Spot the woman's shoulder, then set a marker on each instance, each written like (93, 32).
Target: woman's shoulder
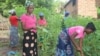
(13, 16)
(77, 27)
(23, 15)
(80, 27)
(34, 15)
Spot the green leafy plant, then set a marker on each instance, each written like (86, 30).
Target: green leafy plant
(49, 40)
(98, 10)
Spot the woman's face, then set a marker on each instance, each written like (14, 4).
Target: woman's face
(30, 9)
(41, 17)
(88, 31)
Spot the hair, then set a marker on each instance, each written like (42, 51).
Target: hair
(91, 26)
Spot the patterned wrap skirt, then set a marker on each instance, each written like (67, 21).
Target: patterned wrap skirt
(30, 44)
(64, 46)
(13, 36)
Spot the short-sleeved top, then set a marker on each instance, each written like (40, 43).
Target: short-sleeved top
(28, 21)
(13, 21)
(77, 29)
(42, 22)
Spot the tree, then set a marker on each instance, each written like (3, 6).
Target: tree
(9, 4)
(43, 3)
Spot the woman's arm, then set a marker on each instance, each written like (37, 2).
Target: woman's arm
(73, 40)
(22, 26)
(80, 44)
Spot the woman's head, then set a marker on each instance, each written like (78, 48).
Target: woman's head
(29, 7)
(90, 28)
(12, 12)
(66, 14)
(41, 15)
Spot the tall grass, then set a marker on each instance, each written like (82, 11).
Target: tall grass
(49, 40)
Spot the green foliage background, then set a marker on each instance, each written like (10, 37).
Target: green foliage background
(49, 40)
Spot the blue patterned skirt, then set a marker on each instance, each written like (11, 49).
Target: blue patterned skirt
(13, 36)
(64, 46)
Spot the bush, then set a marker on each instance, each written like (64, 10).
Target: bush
(98, 10)
(5, 13)
(49, 40)
(20, 10)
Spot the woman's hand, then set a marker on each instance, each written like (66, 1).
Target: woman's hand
(80, 44)
(78, 49)
(34, 28)
(39, 27)
(81, 53)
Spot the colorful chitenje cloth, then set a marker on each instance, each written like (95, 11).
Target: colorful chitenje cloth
(30, 43)
(64, 46)
(13, 36)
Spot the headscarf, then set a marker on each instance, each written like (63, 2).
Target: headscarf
(66, 14)
(41, 14)
(91, 26)
(28, 3)
(12, 11)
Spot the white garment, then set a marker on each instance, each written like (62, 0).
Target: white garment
(12, 11)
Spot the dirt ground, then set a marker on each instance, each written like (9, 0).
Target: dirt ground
(4, 36)
(4, 47)
(4, 50)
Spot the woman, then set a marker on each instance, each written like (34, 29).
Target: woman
(30, 35)
(13, 30)
(42, 21)
(66, 40)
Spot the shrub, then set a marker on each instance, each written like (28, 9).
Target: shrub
(49, 40)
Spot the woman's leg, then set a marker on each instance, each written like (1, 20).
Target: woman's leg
(26, 42)
(64, 47)
(30, 44)
(34, 44)
(13, 36)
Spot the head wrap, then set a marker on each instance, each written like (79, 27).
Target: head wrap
(12, 11)
(41, 14)
(66, 14)
(28, 3)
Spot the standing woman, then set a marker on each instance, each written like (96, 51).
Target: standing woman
(30, 36)
(42, 21)
(13, 30)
